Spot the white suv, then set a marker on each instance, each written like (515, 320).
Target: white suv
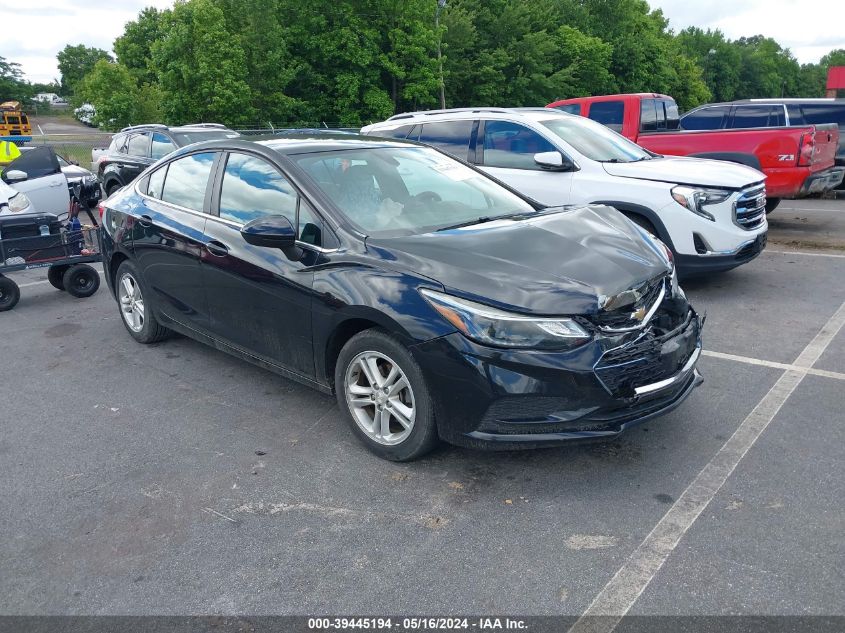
(710, 213)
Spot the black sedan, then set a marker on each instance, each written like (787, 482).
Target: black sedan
(433, 300)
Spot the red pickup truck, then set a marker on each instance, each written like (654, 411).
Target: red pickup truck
(798, 161)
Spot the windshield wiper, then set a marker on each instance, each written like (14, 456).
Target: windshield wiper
(519, 215)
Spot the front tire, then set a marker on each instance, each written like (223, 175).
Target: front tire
(136, 312)
(771, 204)
(383, 392)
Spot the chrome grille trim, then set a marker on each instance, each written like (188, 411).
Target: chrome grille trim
(749, 210)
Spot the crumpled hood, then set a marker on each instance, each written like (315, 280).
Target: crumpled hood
(683, 170)
(75, 171)
(553, 264)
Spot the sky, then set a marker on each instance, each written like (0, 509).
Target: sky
(48, 25)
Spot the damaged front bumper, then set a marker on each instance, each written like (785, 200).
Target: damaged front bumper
(497, 398)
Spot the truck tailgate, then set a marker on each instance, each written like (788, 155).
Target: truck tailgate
(826, 140)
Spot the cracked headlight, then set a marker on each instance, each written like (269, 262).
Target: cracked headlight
(697, 199)
(491, 326)
(19, 202)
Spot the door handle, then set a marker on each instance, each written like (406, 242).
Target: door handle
(145, 220)
(218, 249)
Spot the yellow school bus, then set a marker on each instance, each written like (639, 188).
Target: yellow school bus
(14, 124)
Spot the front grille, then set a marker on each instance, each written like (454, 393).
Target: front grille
(750, 208)
(622, 318)
(645, 361)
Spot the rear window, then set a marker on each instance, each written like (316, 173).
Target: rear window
(571, 108)
(12, 120)
(609, 113)
(186, 138)
(118, 143)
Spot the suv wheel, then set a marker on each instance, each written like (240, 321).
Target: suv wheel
(382, 389)
(135, 309)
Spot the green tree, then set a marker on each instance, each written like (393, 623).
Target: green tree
(134, 47)
(12, 85)
(111, 90)
(77, 61)
(201, 67)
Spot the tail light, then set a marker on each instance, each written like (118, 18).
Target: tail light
(101, 208)
(807, 149)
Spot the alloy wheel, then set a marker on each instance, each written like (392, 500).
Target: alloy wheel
(131, 302)
(380, 398)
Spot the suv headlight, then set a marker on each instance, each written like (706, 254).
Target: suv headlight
(696, 199)
(490, 326)
(19, 202)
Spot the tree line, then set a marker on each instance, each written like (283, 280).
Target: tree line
(348, 62)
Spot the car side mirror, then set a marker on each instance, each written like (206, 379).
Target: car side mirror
(274, 231)
(553, 161)
(15, 175)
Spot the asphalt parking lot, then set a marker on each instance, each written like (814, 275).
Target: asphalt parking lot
(174, 479)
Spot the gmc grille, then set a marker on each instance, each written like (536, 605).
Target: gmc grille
(750, 207)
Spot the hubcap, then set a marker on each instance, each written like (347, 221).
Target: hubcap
(131, 302)
(380, 398)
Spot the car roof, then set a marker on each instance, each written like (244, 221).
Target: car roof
(289, 144)
(529, 114)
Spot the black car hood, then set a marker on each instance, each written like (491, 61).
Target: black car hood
(568, 262)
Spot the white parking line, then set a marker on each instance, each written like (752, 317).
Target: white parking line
(622, 591)
(768, 363)
(804, 253)
(43, 281)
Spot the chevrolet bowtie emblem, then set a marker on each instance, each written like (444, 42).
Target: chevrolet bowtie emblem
(639, 315)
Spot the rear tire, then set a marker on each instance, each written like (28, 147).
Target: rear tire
(10, 294)
(133, 300)
(383, 393)
(55, 275)
(771, 204)
(81, 280)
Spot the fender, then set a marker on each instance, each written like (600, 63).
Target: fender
(732, 157)
(637, 209)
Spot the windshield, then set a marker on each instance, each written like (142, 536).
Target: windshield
(595, 141)
(186, 138)
(396, 191)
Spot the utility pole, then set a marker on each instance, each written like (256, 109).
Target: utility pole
(440, 5)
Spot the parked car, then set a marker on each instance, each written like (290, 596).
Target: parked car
(74, 174)
(798, 161)
(434, 301)
(135, 148)
(85, 114)
(769, 113)
(709, 213)
(37, 173)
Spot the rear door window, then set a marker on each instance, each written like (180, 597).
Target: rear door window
(118, 143)
(161, 146)
(513, 146)
(450, 136)
(712, 118)
(609, 113)
(752, 116)
(187, 180)
(139, 145)
(155, 183)
(399, 132)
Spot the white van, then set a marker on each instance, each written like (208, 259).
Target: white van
(710, 213)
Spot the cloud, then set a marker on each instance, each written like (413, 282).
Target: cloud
(771, 18)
